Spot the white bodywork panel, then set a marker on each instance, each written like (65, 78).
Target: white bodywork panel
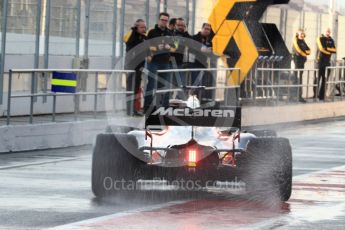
(207, 136)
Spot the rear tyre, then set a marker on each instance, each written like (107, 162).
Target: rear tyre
(114, 168)
(268, 169)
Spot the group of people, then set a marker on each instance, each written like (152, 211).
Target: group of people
(165, 47)
(162, 48)
(326, 48)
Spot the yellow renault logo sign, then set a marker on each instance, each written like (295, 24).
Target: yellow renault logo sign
(232, 36)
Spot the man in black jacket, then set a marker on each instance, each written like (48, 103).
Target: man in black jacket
(181, 41)
(300, 53)
(161, 47)
(202, 52)
(133, 38)
(326, 47)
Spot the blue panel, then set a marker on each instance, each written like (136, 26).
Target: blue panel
(63, 89)
(65, 76)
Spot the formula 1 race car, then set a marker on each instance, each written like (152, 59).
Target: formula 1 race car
(190, 142)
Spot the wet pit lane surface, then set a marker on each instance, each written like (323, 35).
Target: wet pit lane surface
(51, 189)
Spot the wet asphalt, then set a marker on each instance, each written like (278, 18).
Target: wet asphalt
(44, 189)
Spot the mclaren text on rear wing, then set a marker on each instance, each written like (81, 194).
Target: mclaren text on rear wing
(210, 117)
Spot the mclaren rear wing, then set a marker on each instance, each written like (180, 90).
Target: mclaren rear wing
(203, 117)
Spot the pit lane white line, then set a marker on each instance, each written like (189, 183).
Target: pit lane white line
(38, 163)
(272, 222)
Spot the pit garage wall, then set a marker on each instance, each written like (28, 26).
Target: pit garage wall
(59, 135)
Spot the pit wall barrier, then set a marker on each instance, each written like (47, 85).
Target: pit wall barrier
(14, 138)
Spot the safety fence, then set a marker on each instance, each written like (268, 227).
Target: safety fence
(213, 80)
(336, 83)
(284, 84)
(105, 83)
(264, 86)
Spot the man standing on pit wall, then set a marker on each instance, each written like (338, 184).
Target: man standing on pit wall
(179, 59)
(301, 51)
(326, 48)
(180, 36)
(134, 37)
(201, 53)
(161, 47)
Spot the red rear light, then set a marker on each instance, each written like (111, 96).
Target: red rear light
(192, 156)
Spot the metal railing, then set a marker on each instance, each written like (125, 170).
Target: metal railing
(214, 80)
(266, 85)
(46, 73)
(284, 84)
(335, 84)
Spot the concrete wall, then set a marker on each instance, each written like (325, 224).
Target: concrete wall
(47, 136)
(255, 116)
(58, 135)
